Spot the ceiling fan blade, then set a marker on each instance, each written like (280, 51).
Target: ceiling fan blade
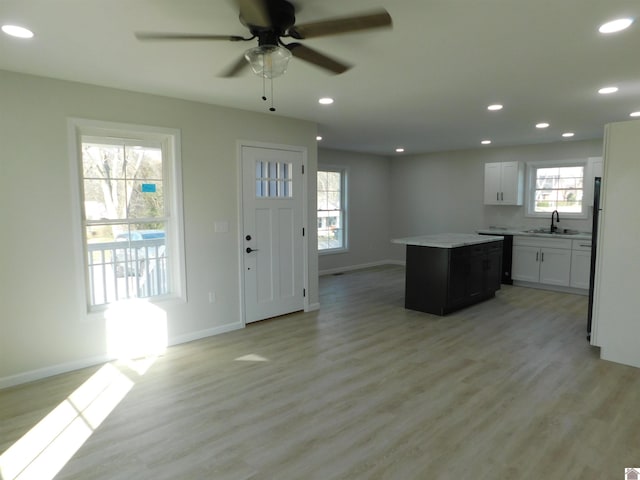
(313, 56)
(186, 36)
(235, 69)
(254, 12)
(377, 19)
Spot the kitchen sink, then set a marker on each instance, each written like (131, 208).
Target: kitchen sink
(560, 231)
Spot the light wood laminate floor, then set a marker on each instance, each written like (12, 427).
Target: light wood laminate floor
(364, 389)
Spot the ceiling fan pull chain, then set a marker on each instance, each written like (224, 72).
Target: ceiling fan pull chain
(272, 108)
(264, 91)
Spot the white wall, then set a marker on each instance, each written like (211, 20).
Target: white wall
(368, 209)
(443, 191)
(42, 330)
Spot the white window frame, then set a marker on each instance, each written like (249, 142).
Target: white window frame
(531, 188)
(344, 174)
(173, 199)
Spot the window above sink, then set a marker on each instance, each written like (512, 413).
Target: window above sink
(556, 186)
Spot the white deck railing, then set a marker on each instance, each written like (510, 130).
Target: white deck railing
(123, 270)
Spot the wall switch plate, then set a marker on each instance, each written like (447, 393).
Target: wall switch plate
(212, 297)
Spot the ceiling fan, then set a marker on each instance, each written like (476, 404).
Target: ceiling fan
(272, 20)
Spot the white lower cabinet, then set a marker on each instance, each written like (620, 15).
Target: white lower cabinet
(542, 260)
(580, 263)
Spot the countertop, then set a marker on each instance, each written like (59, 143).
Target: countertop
(447, 240)
(527, 233)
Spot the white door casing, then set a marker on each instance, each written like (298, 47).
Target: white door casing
(272, 231)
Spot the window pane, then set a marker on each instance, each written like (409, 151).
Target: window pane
(103, 161)
(322, 181)
(333, 180)
(146, 199)
(105, 199)
(323, 201)
(333, 200)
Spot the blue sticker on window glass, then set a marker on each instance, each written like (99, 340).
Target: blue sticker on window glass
(148, 188)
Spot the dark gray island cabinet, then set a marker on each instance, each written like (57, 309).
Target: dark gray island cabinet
(447, 272)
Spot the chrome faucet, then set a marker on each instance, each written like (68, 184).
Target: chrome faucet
(554, 227)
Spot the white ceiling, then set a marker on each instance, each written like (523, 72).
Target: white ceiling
(424, 84)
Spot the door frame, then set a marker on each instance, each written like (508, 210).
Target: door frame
(305, 217)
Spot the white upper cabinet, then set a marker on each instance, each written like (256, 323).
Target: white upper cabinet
(504, 183)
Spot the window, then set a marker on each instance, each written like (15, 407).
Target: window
(556, 186)
(130, 209)
(332, 210)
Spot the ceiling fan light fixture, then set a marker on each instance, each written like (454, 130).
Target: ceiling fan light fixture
(268, 61)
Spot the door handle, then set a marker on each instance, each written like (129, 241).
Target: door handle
(537, 255)
(249, 250)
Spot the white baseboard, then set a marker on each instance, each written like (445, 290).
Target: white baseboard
(553, 288)
(40, 373)
(312, 307)
(349, 268)
(210, 332)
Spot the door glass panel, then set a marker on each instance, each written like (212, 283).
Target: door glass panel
(273, 179)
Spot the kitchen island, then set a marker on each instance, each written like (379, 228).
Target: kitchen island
(450, 271)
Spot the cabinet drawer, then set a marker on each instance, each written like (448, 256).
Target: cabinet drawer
(581, 245)
(542, 242)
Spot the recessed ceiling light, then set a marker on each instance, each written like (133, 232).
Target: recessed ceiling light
(486, 142)
(634, 114)
(326, 101)
(542, 125)
(16, 31)
(568, 134)
(318, 138)
(399, 150)
(615, 25)
(607, 90)
(495, 106)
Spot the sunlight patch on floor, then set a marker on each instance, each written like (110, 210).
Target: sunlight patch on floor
(136, 333)
(42, 452)
(252, 357)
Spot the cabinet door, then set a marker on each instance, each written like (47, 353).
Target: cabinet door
(512, 182)
(475, 278)
(458, 273)
(555, 266)
(492, 180)
(493, 270)
(580, 267)
(525, 265)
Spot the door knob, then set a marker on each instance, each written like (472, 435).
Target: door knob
(249, 250)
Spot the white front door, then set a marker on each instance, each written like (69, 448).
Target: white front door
(272, 231)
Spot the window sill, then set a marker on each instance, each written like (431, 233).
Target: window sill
(332, 251)
(563, 215)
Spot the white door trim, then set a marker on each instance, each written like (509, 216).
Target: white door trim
(305, 218)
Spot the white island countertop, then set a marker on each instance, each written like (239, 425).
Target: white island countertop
(447, 240)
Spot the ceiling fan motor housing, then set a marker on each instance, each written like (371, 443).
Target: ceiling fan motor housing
(282, 16)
